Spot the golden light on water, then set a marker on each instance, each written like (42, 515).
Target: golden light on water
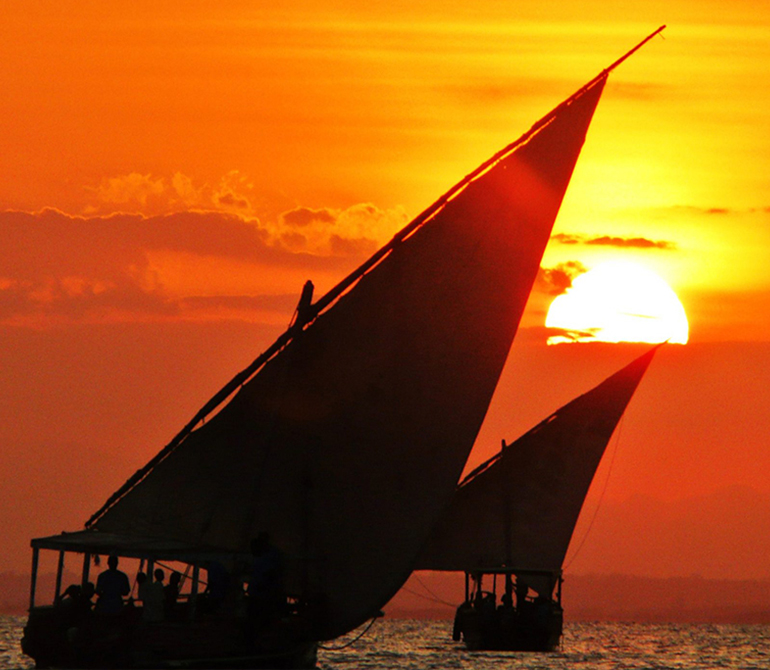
(618, 301)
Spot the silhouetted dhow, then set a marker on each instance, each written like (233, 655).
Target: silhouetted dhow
(511, 520)
(344, 441)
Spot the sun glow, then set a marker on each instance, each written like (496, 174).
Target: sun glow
(618, 301)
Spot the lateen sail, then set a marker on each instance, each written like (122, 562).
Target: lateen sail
(346, 445)
(518, 510)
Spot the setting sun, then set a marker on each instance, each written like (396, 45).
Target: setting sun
(618, 301)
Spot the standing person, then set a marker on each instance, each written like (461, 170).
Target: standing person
(170, 595)
(153, 598)
(111, 586)
(218, 586)
(151, 594)
(267, 598)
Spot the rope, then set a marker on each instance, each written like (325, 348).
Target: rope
(433, 597)
(353, 641)
(601, 497)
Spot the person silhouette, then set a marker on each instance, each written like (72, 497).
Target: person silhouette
(265, 592)
(171, 594)
(218, 586)
(111, 586)
(154, 597)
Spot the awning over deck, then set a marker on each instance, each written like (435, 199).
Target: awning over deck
(129, 546)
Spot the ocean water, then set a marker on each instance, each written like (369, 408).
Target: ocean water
(426, 645)
(10, 639)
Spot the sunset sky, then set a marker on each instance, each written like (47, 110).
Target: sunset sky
(172, 172)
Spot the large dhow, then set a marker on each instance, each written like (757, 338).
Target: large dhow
(511, 520)
(342, 443)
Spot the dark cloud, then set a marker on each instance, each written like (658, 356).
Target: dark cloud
(542, 334)
(635, 242)
(74, 267)
(556, 280)
(56, 244)
(639, 91)
(342, 246)
(711, 211)
(230, 200)
(608, 241)
(90, 300)
(294, 241)
(303, 216)
(567, 335)
(565, 238)
(283, 303)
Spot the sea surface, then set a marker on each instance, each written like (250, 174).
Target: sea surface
(399, 644)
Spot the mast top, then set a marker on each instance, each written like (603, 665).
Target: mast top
(635, 49)
(606, 71)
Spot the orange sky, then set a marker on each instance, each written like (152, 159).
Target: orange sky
(173, 172)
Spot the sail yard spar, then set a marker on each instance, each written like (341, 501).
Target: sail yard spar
(345, 440)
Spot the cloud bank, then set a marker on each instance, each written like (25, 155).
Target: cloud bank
(58, 268)
(611, 241)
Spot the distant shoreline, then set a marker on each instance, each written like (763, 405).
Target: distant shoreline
(609, 598)
(612, 598)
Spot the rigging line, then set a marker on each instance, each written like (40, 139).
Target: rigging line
(184, 574)
(601, 497)
(438, 601)
(433, 597)
(353, 641)
(133, 586)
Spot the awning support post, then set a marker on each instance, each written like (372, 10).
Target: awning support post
(86, 569)
(194, 591)
(33, 585)
(59, 571)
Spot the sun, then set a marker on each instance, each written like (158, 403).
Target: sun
(618, 301)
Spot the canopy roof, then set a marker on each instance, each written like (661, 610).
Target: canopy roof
(129, 546)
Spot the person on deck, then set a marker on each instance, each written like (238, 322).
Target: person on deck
(72, 605)
(88, 593)
(111, 586)
(153, 598)
(522, 590)
(171, 595)
(267, 599)
(217, 587)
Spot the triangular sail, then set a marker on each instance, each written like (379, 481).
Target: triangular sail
(519, 509)
(347, 443)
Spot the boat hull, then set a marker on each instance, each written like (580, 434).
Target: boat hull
(506, 629)
(55, 640)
